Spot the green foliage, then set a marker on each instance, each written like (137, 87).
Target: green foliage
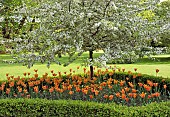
(147, 14)
(143, 78)
(69, 108)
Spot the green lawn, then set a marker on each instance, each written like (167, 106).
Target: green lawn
(145, 66)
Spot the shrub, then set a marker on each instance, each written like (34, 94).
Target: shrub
(70, 108)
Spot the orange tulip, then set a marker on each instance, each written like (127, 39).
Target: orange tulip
(157, 70)
(69, 87)
(130, 84)
(11, 84)
(111, 97)
(149, 96)
(165, 86)
(96, 92)
(25, 74)
(103, 84)
(61, 90)
(31, 84)
(142, 95)
(91, 96)
(115, 81)
(129, 72)
(157, 94)
(8, 90)
(78, 89)
(92, 90)
(127, 78)
(105, 96)
(52, 71)
(135, 69)
(85, 80)
(150, 83)
(155, 84)
(28, 96)
(71, 92)
(130, 94)
(84, 70)
(109, 82)
(134, 76)
(127, 99)
(85, 91)
(25, 91)
(123, 96)
(140, 84)
(148, 88)
(134, 90)
(123, 91)
(122, 83)
(123, 69)
(19, 89)
(12, 77)
(35, 70)
(110, 87)
(100, 88)
(36, 89)
(7, 74)
(51, 89)
(126, 89)
(111, 74)
(29, 73)
(153, 95)
(139, 74)
(117, 94)
(15, 95)
(54, 74)
(2, 87)
(8, 78)
(134, 95)
(24, 85)
(118, 69)
(44, 87)
(163, 80)
(36, 75)
(59, 73)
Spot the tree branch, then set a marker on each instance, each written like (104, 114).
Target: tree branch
(69, 6)
(106, 8)
(31, 27)
(22, 21)
(93, 34)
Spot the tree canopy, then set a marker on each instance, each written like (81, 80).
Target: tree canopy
(118, 27)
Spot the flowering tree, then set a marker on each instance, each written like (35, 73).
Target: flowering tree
(163, 12)
(72, 26)
(15, 20)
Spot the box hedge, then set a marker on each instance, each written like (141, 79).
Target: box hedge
(72, 108)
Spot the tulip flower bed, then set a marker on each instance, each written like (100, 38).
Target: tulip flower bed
(107, 86)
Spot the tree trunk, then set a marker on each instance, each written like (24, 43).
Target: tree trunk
(91, 66)
(59, 55)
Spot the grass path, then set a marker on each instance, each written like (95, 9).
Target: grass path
(144, 66)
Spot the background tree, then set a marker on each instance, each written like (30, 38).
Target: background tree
(72, 26)
(15, 20)
(163, 11)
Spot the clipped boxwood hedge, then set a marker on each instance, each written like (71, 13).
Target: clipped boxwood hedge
(70, 108)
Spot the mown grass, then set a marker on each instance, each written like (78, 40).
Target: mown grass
(145, 66)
